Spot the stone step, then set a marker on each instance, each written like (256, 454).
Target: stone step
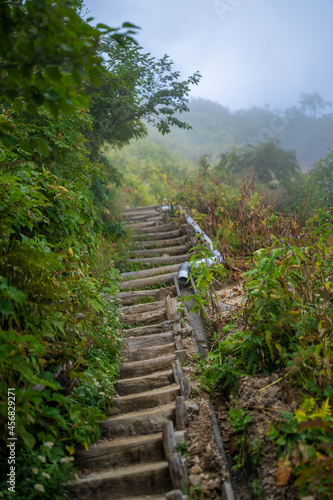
(146, 383)
(149, 353)
(146, 400)
(138, 423)
(145, 479)
(139, 368)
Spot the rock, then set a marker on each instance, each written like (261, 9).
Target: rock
(194, 479)
(192, 407)
(196, 459)
(196, 469)
(234, 446)
(197, 448)
(213, 484)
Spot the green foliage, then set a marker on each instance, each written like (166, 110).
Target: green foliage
(239, 421)
(47, 50)
(271, 164)
(43, 470)
(60, 234)
(151, 173)
(305, 446)
(182, 448)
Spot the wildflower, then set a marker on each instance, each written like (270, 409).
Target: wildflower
(288, 246)
(96, 384)
(41, 458)
(49, 444)
(46, 475)
(290, 235)
(281, 240)
(39, 487)
(65, 460)
(298, 236)
(35, 470)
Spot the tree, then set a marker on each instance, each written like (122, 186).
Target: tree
(314, 104)
(136, 87)
(271, 164)
(274, 165)
(46, 50)
(321, 181)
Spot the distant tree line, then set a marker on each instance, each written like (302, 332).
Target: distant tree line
(305, 128)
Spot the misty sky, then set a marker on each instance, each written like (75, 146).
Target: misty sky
(249, 52)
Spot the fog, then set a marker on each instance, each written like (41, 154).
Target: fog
(249, 52)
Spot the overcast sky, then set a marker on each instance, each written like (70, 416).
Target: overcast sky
(249, 52)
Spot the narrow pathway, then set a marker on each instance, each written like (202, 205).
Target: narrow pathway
(138, 456)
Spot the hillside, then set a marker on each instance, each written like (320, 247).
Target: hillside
(304, 128)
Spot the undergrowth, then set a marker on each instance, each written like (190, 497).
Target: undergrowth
(285, 327)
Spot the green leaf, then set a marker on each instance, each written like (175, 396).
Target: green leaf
(37, 99)
(6, 307)
(52, 95)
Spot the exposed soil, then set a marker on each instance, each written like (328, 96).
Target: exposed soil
(206, 469)
(263, 398)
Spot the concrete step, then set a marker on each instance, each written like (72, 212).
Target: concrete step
(145, 479)
(138, 423)
(146, 383)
